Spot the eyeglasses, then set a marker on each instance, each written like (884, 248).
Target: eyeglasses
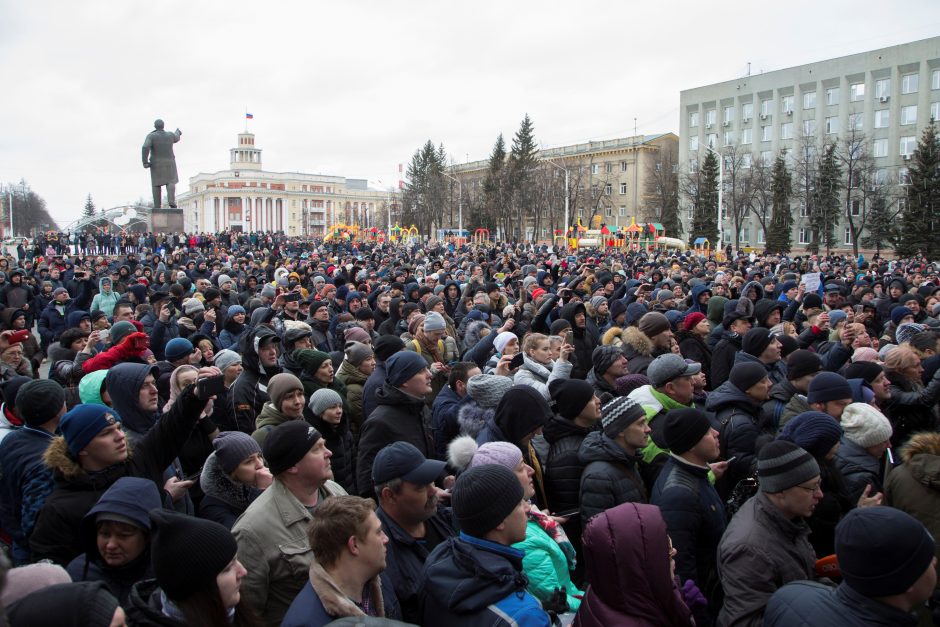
(812, 489)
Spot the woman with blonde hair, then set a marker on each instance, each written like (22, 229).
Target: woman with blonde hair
(911, 407)
(538, 369)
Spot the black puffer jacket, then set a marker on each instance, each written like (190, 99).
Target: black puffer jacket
(584, 342)
(399, 417)
(739, 428)
(694, 347)
(339, 441)
(610, 476)
(563, 467)
(249, 392)
(911, 407)
(723, 357)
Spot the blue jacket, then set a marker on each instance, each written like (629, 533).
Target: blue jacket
(469, 582)
(24, 485)
(444, 419)
(806, 603)
(695, 518)
(373, 383)
(52, 323)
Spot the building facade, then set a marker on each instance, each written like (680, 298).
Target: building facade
(883, 98)
(606, 178)
(245, 197)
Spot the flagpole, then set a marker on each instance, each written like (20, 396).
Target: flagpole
(246, 118)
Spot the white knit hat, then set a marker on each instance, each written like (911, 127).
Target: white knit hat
(865, 425)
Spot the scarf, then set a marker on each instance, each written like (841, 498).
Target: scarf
(555, 531)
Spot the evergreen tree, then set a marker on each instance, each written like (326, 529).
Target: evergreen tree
(923, 199)
(883, 231)
(495, 188)
(522, 161)
(705, 208)
(779, 235)
(425, 193)
(89, 210)
(826, 201)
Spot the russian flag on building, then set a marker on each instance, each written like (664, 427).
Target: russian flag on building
(249, 116)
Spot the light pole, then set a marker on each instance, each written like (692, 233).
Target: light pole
(459, 204)
(565, 229)
(721, 187)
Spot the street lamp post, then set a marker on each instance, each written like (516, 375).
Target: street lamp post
(721, 187)
(459, 204)
(565, 229)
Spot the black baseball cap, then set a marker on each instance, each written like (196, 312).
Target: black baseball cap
(401, 460)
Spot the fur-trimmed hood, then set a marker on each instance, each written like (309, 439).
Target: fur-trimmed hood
(921, 443)
(214, 482)
(636, 340)
(612, 337)
(335, 602)
(472, 418)
(67, 468)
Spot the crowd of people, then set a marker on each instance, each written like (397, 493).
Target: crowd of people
(254, 429)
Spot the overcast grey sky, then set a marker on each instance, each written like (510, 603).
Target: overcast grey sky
(352, 88)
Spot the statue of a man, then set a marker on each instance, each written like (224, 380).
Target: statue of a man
(157, 155)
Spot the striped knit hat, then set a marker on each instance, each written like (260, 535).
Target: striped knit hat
(619, 414)
(782, 465)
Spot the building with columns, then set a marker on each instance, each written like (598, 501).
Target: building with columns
(247, 198)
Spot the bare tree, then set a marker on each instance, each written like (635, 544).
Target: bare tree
(661, 197)
(858, 168)
(761, 199)
(737, 186)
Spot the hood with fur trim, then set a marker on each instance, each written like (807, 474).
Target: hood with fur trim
(612, 337)
(65, 467)
(926, 443)
(636, 342)
(472, 418)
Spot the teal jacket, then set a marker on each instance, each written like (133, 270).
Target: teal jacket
(546, 566)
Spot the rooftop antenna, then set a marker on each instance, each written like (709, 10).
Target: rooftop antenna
(748, 68)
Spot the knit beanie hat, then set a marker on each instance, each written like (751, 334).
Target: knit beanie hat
(629, 382)
(193, 306)
(503, 339)
(653, 323)
(801, 363)
(323, 399)
(571, 396)
(434, 322)
(212, 293)
(416, 323)
(309, 359)
(24, 580)
(559, 327)
(617, 308)
(188, 553)
(499, 453)
(234, 310)
(812, 301)
(814, 432)
(865, 425)
(225, 358)
(908, 330)
(747, 374)
(86, 603)
(433, 301)
(903, 546)
(865, 354)
(782, 465)
(684, 428)
(386, 346)
(484, 497)
(402, 366)
(756, 340)
(357, 352)
(120, 330)
(597, 301)
(828, 386)
(232, 448)
(899, 313)
(618, 414)
(40, 401)
(82, 423)
(223, 279)
(10, 388)
(692, 320)
(604, 357)
(293, 331)
(356, 333)
(486, 389)
(287, 443)
(177, 348)
(280, 385)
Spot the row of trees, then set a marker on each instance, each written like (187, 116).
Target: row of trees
(29, 209)
(838, 182)
(521, 192)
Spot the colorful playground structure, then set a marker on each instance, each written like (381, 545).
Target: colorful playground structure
(635, 237)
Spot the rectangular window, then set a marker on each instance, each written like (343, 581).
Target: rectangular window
(855, 121)
(856, 207)
(902, 205)
(786, 104)
(809, 128)
(623, 211)
(747, 111)
(710, 118)
(848, 236)
(766, 133)
(766, 157)
(881, 176)
(693, 143)
(608, 189)
(935, 79)
(879, 148)
(765, 107)
(608, 212)
(809, 100)
(610, 168)
(711, 140)
(728, 115)
(832, 124)
(934, 111)
(909, 83)
(595, 168)
(805, 235)
(693, 165)
(623, 166)
(856, 91)
(760, 236)
(803, 212)
(882, 118)
(786, 130)
(594, 191)
(693, 119)
(729, 138)
(746, 160)
(909, 115)
(623, 189)
(904, 176)
(745, 234)
(746, 135)
(883, 89)
(832, 96)
(908, 144)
